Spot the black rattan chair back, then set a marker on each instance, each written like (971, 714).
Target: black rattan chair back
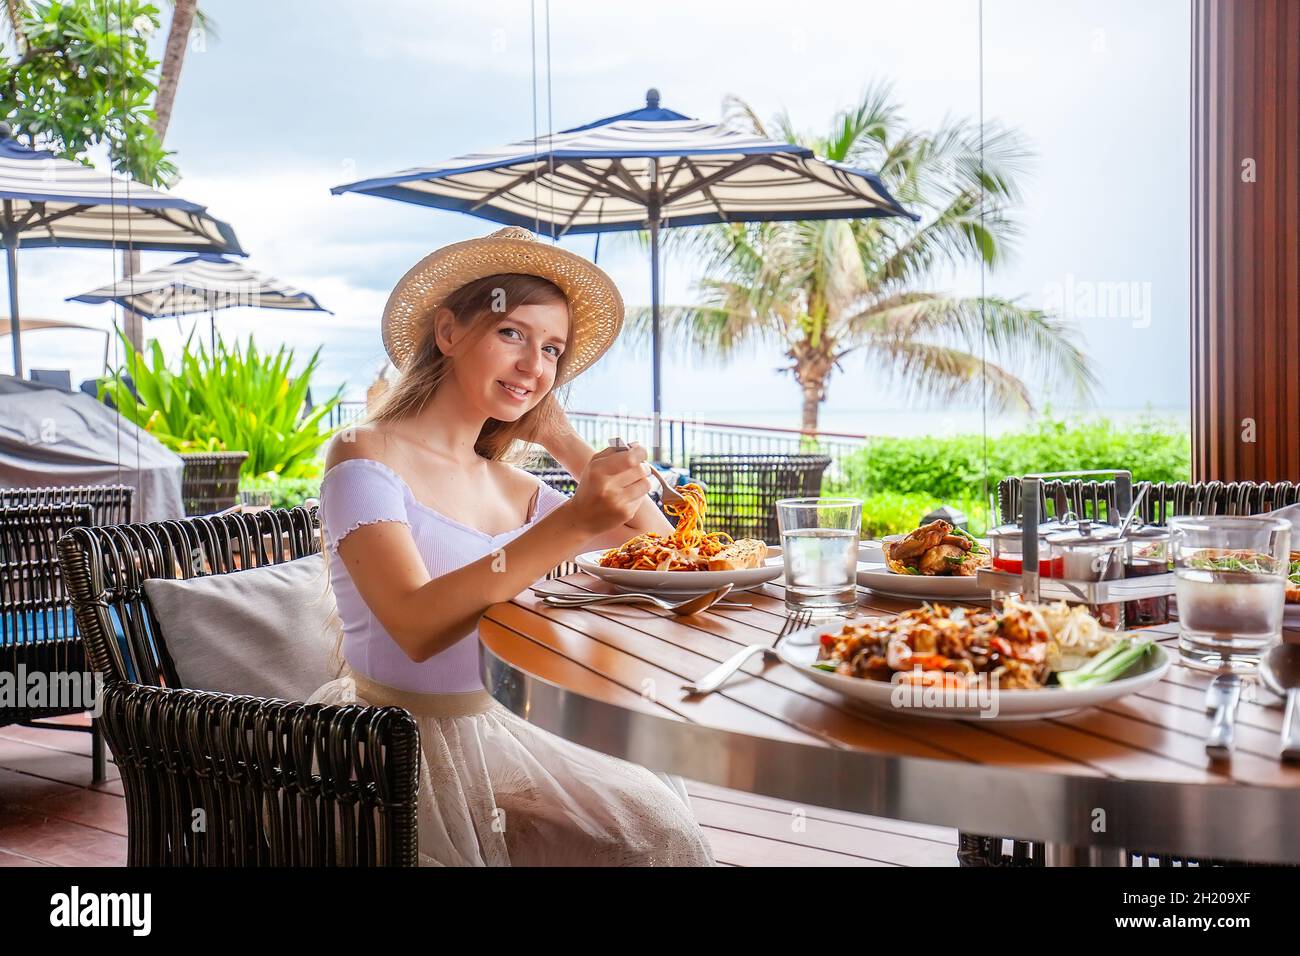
(210, 481)
(109, 504)
(273, 782)
(119, 628)
(557, 478)
(37, 628)
(743, 489)
(1164, 500)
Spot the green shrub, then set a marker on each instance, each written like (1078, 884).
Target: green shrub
(947, 468)
(230, 401)
(897, 512)
(280, 492)
(901, 479)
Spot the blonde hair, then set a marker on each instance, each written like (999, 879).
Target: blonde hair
(474, 307)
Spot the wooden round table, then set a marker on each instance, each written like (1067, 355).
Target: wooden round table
(1130, 776)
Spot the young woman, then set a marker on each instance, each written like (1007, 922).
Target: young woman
(425, 526)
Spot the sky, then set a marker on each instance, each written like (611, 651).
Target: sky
(293, 97)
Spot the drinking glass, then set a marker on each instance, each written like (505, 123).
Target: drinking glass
(819, 538)
(1230, 581)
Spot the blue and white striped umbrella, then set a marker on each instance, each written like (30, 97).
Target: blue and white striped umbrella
(631, 171)
(646, 169)
(48, 201)
(202, 283)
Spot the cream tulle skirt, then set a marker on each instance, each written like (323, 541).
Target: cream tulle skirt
(497, 791)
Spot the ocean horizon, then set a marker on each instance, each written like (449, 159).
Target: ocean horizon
(904, 422)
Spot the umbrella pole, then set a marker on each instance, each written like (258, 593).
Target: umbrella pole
(15, 326)
(654, 335)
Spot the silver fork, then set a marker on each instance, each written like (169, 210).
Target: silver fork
(671, 496)
(719, 675)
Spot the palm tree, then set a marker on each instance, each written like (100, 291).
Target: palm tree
(827, 289)
(184, 13)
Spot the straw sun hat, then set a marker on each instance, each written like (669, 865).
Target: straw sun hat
(594, 301)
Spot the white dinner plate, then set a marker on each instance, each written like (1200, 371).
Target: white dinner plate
(683, 582)
(799, 650)
(873, 574)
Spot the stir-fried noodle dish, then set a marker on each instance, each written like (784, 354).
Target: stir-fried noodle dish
(1019, 646)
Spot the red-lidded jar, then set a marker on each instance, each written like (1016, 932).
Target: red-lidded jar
(1007, 544)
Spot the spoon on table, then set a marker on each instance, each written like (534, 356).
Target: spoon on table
(1280, 669)
(671, 496)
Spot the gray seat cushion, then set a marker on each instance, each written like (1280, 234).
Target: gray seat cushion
(264, 631)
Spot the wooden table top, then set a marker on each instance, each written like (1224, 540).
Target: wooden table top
(635, 658)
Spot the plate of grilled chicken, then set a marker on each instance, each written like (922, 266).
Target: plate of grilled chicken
(935, 561)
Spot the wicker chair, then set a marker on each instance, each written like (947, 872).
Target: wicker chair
(557, 478)
(57, 648)
(38, 634)
(743, 489)
(210, 481)
(280, 783)
(1096, 500)
(109, 504)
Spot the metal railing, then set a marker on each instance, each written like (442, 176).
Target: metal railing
(343, 413)
(684, 437)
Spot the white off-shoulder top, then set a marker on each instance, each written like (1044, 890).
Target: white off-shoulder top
(362, 491)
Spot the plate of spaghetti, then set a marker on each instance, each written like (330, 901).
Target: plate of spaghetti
(687, 559)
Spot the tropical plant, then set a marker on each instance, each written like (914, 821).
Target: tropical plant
(824, 290)
(231, 400)
(80, 75)
(184, 15)
(83, 75)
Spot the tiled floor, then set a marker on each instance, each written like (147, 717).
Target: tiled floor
(51, 816)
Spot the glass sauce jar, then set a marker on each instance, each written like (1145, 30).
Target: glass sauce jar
(1091, 552)
(1146, 553)
(1007, 543)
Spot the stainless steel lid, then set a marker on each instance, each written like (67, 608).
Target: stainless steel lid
(1148, 531)
(1005, 532)
(1086, 532)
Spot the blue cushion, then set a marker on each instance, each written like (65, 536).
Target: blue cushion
(37, 626)
(53, 624)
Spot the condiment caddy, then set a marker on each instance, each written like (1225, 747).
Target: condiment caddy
(1116, 574)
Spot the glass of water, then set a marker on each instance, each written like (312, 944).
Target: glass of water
(1230, 580)
(819, 538)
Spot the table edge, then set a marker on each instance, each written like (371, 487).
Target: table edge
(1230, 821)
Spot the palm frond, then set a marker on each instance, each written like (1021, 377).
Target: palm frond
(1020, 337)
(922, 370)
(861, 133)
(740, 116)
(715, 333)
